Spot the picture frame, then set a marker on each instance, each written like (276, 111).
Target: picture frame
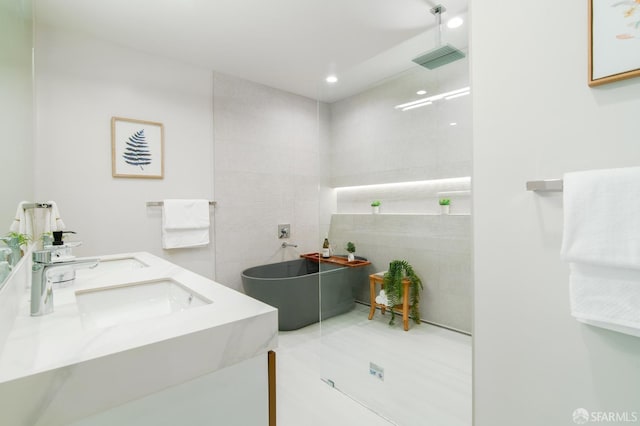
(614, 41)
(137, 148)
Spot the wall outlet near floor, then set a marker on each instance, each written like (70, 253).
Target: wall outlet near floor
(376, 371)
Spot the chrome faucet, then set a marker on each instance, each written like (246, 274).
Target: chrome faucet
(286, 244)
(42, 282)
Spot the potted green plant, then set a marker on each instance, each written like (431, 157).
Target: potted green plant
(392, 282)
(351, 249)
(444, 205)
(18, 243)
(376, 206)
(16, 238)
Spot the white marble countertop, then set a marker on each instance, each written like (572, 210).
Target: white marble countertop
(163, 350)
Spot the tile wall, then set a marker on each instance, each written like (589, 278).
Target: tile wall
(267, 172)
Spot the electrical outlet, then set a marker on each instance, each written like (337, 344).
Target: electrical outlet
(284, 230)
(376, 371)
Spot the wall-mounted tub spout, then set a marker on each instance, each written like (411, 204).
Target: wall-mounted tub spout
(286, 244)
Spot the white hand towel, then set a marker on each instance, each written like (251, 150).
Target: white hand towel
(382, 299)
(185, 223)
(601, 241)
(22, 221)
(52, 221)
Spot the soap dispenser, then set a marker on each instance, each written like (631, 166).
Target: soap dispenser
(57, 237)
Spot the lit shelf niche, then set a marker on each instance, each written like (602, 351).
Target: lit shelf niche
(415, 197)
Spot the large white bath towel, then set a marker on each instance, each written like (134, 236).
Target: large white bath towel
(601, 241)
(22, 221)
(185, 223)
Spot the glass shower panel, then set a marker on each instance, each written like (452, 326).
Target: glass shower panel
(407, 149)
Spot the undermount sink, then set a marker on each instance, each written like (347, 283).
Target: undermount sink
(120, 264)
(114, 305)
(112, 265)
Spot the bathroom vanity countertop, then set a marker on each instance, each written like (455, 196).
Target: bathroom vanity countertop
(136, 358)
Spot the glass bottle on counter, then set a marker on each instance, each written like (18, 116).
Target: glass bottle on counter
(326, 252)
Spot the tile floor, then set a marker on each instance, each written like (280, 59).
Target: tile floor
(427, 374)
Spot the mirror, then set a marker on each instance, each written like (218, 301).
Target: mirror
(16, 110)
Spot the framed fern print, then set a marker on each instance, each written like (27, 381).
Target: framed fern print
(137, 148)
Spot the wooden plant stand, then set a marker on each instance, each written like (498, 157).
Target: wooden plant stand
(403, 308)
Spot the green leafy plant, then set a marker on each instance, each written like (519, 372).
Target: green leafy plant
(375, 203)
(351, 248)
(392, 281)
(444, 201)
(21, 239)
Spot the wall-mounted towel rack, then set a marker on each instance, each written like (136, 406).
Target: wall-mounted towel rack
(161, 203)
(547, 185)
(36, 206)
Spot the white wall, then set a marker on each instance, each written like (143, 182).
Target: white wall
(80, 84)
(535, 118)
(267, 172)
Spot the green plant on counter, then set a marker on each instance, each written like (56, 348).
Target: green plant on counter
(375, 203)
(392, 281)
(444, 201)
(351, 248)
(21, 239)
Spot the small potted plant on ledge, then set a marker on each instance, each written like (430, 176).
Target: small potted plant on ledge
(351, 249)
(375, 205)
(444, 205)
(392, 282)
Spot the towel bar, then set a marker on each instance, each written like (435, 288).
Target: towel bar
(547, 185)
(36, 206)
(161, 203)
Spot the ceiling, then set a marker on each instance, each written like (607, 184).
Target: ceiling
(291, 45)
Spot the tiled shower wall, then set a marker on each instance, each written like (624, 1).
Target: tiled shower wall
(437, 246)
(267, 148)
(372, 143)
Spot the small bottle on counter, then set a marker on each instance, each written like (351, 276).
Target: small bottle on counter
(326, 252)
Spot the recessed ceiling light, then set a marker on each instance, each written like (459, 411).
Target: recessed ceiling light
(421, 92)
(331, 79)
(455, 22)
(453, 124)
